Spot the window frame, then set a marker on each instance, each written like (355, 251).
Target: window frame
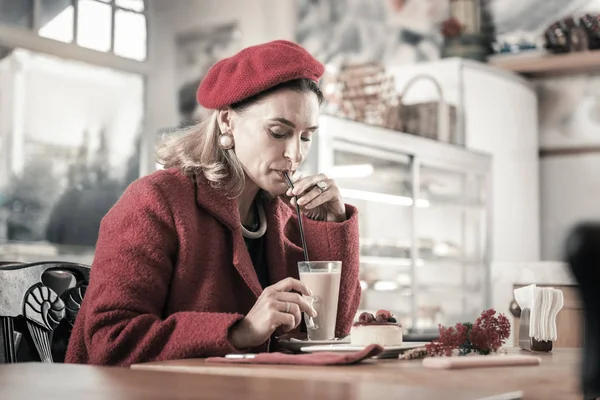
(29, 38)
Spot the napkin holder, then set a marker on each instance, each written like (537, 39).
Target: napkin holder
(526, 342)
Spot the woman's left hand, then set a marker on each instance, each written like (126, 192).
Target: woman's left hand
(319, 198)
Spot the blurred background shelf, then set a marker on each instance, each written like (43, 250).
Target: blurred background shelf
(536, 65)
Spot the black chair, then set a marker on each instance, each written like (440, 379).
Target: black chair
(583, 256)
(38, 306)
(4, 263)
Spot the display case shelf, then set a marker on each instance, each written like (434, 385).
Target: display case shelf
(407, 262)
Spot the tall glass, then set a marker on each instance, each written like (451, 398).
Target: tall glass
(323, 280)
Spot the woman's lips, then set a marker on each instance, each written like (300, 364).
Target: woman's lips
(281, 175)
(285, 171)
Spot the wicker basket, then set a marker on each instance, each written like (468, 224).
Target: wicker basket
(434, 119)
(365, 92)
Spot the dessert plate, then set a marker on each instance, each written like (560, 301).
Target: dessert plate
(388, 351)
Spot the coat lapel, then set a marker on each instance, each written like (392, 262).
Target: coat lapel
(225, 210)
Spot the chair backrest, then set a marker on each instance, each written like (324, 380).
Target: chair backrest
(583, 256)
(38, 306)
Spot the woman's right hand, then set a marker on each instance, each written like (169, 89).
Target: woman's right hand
(269, 313)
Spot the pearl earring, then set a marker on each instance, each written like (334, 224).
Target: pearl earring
(226, 141)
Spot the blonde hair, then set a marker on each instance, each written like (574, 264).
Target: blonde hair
(196, 150)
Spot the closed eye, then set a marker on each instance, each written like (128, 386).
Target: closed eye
(283, 135)
(277, 135)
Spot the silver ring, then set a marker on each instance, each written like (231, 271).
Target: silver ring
(322, 186)
(287, 307)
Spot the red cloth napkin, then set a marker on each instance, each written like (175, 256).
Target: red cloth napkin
(318, 358)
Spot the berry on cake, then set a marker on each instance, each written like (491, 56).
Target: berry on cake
(382, 329)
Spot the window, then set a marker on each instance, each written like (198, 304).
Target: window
(94, 25)
(130, 35)
(112, 26)
(64, 162)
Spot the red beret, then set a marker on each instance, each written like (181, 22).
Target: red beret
(255, 69)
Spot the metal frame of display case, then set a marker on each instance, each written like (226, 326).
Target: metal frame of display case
(342, 134)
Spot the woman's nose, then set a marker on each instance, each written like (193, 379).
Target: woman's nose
(293, 151)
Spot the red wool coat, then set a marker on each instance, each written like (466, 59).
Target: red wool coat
(172, 273)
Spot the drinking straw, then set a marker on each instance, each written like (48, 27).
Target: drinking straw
(291, 185)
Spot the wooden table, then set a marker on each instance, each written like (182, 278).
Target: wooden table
(556, 378)
(83, 382)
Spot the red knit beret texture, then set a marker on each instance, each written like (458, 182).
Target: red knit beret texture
(255, 69)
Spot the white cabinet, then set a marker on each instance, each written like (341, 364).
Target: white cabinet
(497, 114)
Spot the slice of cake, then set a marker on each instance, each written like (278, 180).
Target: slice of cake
(382, 329)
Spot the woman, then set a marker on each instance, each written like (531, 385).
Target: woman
(200, 259)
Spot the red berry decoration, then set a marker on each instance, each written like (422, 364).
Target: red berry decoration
(380, 318)
(385, 314)
(366, 317)
(486, 335)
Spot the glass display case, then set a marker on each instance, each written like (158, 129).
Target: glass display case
(424, 212)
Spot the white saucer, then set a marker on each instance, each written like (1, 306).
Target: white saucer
(321, 342)
(295, 344)
(388, 351)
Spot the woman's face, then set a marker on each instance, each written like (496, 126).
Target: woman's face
(274, 136)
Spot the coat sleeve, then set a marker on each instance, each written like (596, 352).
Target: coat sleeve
(120, 322)
(339, 241)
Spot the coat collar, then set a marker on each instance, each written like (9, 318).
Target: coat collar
(281, 255)
(217, 203)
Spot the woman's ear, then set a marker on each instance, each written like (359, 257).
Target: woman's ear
(224, 119)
